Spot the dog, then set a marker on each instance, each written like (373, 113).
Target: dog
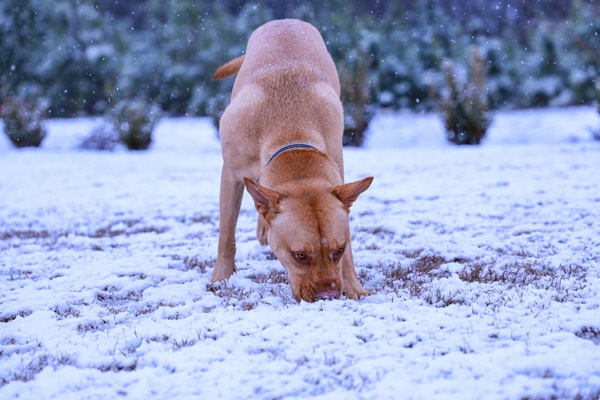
(281, 138)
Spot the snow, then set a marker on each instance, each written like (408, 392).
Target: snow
(485, 263)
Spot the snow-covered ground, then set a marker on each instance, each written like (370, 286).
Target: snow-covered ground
(485, 262)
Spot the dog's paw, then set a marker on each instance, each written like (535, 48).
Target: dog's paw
(355, 291)
(223, 271)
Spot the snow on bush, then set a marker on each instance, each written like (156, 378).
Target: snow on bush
(134, 121)
(23, 119)
(463, 103)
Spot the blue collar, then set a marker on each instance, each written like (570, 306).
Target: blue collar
(286, 148)
(289, 147)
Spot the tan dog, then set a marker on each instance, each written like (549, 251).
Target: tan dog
(281, 135)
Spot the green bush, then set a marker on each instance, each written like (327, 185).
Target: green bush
(463, 104)
(538, 54)
(596, 134)
(598, 94)
(23, 121)
(134, 121)
(102, 138)
(215, 106)
(356, 98)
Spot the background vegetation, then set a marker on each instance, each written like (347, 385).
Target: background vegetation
(75, 55)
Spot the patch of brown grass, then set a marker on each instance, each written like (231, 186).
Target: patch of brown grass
(66, 312)
(197, 263)
(28, 371)
(232, 295)
(191, 263)
(411, 253)
(118, 367)
(427, 264)
(43, 234)
(182, 343)
(273, 277)
(90, 326)
(590, 333)
(377, 231)
(522, 274)
(414, 279)
(12, 317)
(110, 231)
(202, 219)
(110, 294)
(418, 278)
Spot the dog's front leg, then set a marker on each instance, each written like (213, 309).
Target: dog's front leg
(262, 229)
(352, 287)
(230, 200)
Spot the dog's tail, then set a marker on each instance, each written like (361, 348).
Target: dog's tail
(231, 68)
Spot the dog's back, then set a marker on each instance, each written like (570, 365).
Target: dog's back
(282, 44)
(286, 91)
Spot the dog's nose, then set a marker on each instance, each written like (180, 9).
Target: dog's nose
(328, 291)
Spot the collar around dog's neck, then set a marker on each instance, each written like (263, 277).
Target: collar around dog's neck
(289, 147)
(286, 148)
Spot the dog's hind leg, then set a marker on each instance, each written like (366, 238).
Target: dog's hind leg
(262, 228)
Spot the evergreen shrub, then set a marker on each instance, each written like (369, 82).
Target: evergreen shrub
(538, 54)
(463, 104)
(356, 99)
(102, 138)
(596, 134)
(134, 120)
(215, 107)
(23, 120)
(598, 94)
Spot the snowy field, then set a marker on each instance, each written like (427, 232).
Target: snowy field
(485, 262)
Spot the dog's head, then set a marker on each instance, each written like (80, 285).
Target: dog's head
(309, 233)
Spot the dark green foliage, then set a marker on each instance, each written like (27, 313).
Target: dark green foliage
(21, 33)
(178, 49)
(580, 52)
(23, 120)
(134, 121)
(64, 51)
(598, 94)
(359, 107)
(215, 107)
(68, 52)
(353, 44)
(596, 133)
(463, 104)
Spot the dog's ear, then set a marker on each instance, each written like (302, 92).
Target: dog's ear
(265, 200)
(349, 192)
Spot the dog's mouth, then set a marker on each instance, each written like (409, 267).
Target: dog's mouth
(321, 291)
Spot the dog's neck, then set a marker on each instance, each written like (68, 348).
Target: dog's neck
(296, 162)
(290, 147)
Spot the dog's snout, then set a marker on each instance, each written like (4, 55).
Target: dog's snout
(327, 291)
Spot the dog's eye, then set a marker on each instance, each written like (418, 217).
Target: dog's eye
(301, 258)
(338, 253)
